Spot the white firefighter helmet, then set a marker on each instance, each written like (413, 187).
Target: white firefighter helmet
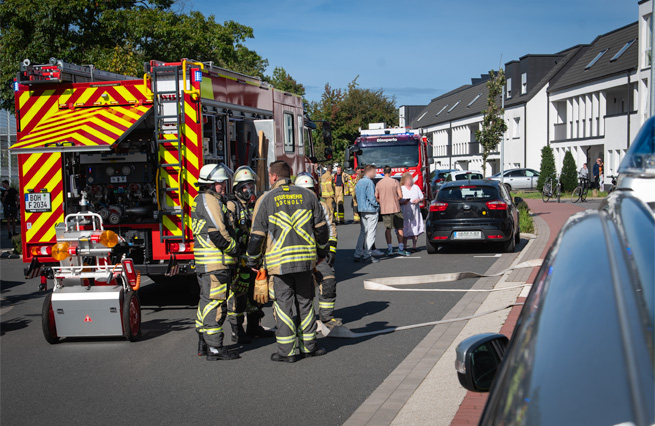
(305, 181)
(214, 173)
(244, 174)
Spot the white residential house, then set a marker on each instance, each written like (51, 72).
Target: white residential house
(593, 106)
(452, 120)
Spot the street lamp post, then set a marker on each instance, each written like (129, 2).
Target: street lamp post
(502, 140)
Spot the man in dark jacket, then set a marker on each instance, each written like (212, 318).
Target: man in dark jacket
(290, 229)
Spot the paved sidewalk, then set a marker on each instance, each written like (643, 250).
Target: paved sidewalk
(424, 388)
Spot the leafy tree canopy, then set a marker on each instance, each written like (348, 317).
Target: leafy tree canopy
(348, 110)
(283, 81)
(493, 123)
(116, 35)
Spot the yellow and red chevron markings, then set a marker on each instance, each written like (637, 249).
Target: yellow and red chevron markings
(42, 172)
(96, 127)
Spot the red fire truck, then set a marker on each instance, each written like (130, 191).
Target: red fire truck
(402, 149)
(131, 149)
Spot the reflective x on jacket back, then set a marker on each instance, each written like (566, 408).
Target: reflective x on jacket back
(332, 226)
(214, 247)
(291, 221)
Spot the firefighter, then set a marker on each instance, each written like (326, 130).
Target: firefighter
(240, 302)
(327, 191)
(324, 271)
(215, 254)
(341, 189)
(290, 220)
(352, 183)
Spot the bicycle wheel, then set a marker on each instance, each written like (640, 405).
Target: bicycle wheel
(558, 189)
(576, 194)
(546, 193)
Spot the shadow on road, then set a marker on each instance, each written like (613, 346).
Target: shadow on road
(159, 327)
(354, 313)
(13, 325)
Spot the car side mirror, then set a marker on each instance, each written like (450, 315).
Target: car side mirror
(518, 200)
(477, 360)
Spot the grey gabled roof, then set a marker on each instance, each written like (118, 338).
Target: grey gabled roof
(460, 98)
(604, 67)
(560, 63)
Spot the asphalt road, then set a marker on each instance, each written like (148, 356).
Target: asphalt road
(159, 380)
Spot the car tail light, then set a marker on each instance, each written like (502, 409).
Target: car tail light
(181, 247)
(496, 205)
(494, 237)
(438, 207)
(41, 251)
(437, 237)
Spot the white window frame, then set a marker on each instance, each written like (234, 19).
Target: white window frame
(289, 135)
(509, 88)
(524, 83)
(516, 128)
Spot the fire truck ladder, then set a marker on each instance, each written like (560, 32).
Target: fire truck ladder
(169, 125)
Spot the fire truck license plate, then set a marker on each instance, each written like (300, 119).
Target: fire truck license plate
(38, 202)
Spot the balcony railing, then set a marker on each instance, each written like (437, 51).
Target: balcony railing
(560, 132)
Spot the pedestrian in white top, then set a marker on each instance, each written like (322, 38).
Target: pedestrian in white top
(413, 220)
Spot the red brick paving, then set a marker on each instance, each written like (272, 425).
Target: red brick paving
(555, 215)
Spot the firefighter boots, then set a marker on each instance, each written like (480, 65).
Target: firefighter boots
(220, 353)
(239, 335)
(202, 346)
(254, 329)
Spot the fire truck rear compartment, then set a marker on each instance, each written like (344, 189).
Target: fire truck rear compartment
(120, 185)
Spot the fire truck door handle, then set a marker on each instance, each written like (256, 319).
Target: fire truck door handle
(59, 144)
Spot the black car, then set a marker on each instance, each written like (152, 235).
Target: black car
(473, 211)
(582, 352)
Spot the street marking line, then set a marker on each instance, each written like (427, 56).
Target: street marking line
(495, 255)
(386, 283)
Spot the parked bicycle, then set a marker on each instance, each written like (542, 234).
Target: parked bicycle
(580, 192)
(552, 188)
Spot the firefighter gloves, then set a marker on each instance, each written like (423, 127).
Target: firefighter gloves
(261, 287)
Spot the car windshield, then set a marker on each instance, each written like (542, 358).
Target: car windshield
(389, 155)
(468, 193)
(468, 176)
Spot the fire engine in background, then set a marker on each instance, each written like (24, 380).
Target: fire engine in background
(403, 149)
(130, 149)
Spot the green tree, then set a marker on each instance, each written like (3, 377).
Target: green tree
(116, 35)
(493, 124)
(283, 81)
(547, 168)
(349, 110)
(569, 176)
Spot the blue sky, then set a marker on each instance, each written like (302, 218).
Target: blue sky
(415, 50)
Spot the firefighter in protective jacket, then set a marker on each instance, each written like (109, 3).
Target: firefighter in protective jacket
(215, 254)
(240, 302)
(324, 271)
(290, 221)
(327, 191)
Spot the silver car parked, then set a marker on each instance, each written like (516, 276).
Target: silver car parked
(519, 178)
